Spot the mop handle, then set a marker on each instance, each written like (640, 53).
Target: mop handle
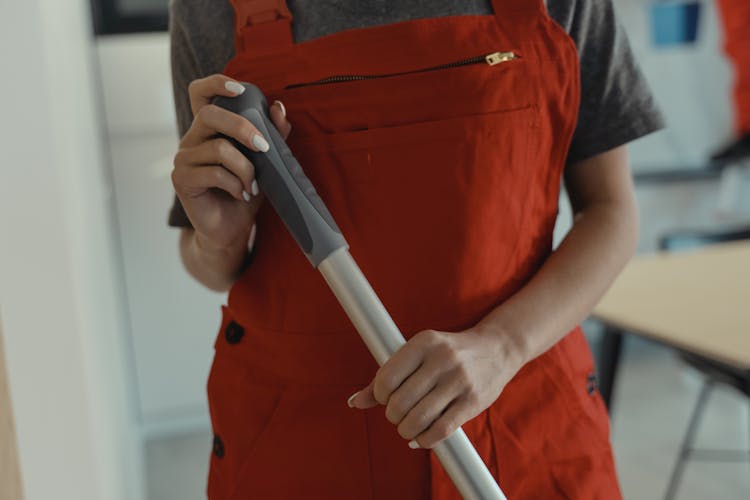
(284, 184)
(294, 198)
(383, 338)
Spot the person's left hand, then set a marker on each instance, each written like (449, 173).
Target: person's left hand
(437, 381)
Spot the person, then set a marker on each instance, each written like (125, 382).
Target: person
(438, 134)
(735, 20)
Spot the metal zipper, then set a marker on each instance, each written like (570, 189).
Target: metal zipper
(490, 59)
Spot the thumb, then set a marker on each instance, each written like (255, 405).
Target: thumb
(363, 399)
(279, 119)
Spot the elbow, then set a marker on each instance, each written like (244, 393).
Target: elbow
(617, 223)
(624, 220)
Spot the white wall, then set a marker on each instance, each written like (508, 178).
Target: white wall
(174, 319)
(60, 277)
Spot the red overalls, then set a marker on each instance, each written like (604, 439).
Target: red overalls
(735, 15)
(445, 184)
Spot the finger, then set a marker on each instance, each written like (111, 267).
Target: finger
(212, 120)
(220, 152)
(202, 90)
(428, 410)
(411, 391)
(398, 367)
(363, 399)
(194, 181)
(456, 415)
(279, 118)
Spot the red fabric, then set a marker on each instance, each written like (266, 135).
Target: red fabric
(445, 184)
(735, 15)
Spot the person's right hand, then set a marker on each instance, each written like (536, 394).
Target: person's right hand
(213, 180)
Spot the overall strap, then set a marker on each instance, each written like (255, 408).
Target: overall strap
(262, 27)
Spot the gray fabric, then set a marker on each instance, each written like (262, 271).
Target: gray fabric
(616, 103)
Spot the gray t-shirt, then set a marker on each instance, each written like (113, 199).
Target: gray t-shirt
(616, 104)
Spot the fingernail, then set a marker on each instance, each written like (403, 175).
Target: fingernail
(234, 87)
(413, 444)
(351, 398)
(281, 105)
(260, 143)
(245, 196)
(254, 188)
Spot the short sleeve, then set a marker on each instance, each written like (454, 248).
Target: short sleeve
(617, 105)
(201, 43)
(184, 70)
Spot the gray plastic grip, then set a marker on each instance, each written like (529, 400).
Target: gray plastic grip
(282, 180)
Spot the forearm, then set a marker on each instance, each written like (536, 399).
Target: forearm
(215, 268)
(567, 287)
(465, 373)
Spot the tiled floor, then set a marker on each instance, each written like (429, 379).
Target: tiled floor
(654, 397)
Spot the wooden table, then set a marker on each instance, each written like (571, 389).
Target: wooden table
(697, 302)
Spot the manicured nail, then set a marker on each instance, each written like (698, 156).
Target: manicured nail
(351, 398)
(234, 87)
(283, 108)
(245, 195)
(254, 188)
(413, 444)
(260, 143)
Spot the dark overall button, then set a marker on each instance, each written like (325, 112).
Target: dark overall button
(218, 447)
(592, 384)
(233, 332)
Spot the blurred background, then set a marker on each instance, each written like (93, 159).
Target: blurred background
(108, 342)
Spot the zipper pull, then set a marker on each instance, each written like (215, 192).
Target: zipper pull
(499, 57)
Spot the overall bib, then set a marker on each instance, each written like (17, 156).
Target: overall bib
(442, 168)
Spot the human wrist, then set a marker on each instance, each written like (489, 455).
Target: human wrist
(212, 248)
(508, 343)
(222, 257)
